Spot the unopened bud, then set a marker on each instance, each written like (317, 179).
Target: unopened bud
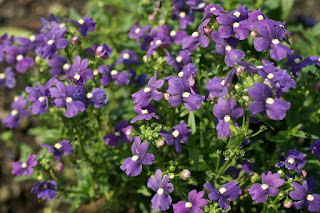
(304, 174)
(186, 174)
(59, 167)
(207, 31)
(145, 58)
(171, 175)
(240, 69)
(317, 86)
(151, 17)
(254, 34)
(166, 96)
(75, 40)
(287, 204)
(160, 143)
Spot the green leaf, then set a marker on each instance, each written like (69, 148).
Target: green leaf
(286, 6)
(235, 141)
(192, 122)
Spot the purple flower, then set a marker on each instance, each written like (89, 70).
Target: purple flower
(45, 189)
(161, 200)
(79, 71)
(219, 87)
(53, 41)
(178, 36)
(47, 24)
(16, 56)
(246, 166)
(18, 111)
(100, 51)
(144, 97)
(316, 60)
(136, 32)
(226, 111)
(255, 17)
(33, 42)
(226, 47)
(249, 68)
(296, 64)
(179, 91)
(64, 98)
(303, 197)
(62, 148)
(122, 133)
(263, 102)
(8, 78)
(183, 58)
(20, 168)
(140, 80)
(294, 160)
(272, 35)
(179, 134)
(58, 65)
(270, 184)
(191, 42)
(194, 204)
(127, 57)
(132, 166)
(97, 97)
(5, 41)
(186, 17)
(108, 75)
(315, 148)
(241, 13)
(212, 11)
(229, 191)
(144, 113)
(86, 24)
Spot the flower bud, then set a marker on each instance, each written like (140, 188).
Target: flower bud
(59, 167)
(151, 17)
(317, 86)
(287, 204)
(75, 39)
(254, 34)
(171, 175)
(240, 69)
(303, 174)
(145, 58)
(186, 174)
(207, 31)
(166, 96)
(160, 143)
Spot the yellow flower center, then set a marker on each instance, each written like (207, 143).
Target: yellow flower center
(173, 33)
(237, 14)
(50, 42)
(135, 158)
(291, 160)
(14, 112)
(310, 197)
(182, 14)
(222, 190)
(76, 76)
(114, 72)
(195, 34)
(179, 59)
(81, 21)
(57, 146)
(42, 98)
(19, 57)
(186, 94)
(175, 133)
(269, 100)
(2, 76)
(188, 205)
(160, 191)
(260, 17)
(275, 41)
(270, 76)
(264, 186)
(126, 56)
(147, 89)
(24, 165)
(68, 100)
(137, 31)
(227, 118)
(89, 95)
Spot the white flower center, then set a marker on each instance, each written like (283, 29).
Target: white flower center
(42, 98)
(62, 25)
(89, 95)
(68, 100)
(222, 190)
(66, 66)
(114, 72)
(228, 48)
(32, 38)
(319, 59)
(291, 160)
(175, 133)
(145, 111)
(50, 42)
(16, 98)
(310, 197)
(269, 100)
(264, 186)
(151, 43)
(227, 118)
(158, 42)
(173, 33)
(76, 76)
(14, 112)
(270, 76)
(178, 59)
(2, 76)
(212, 9)
(280, 172)
(275, 41)
(126, 56)
(186, 94)
(95, 72)
(182, 14)
(24, 165)
(223, 82)
(19, 57)
(188, 205)
(180, 74)
(160, 191)
(260, 67)
(137, 31)
(129, 132)
(195, 34)
(260, 17)
(57, 146)
(135, 158)
(237, 14)
(147, 89)
(81, 21)
(297, 60)
(236, 25)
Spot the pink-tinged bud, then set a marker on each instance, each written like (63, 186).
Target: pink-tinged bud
(240, 69)
(75, 40)
(304, 174)
(160, 143)
(166, 96)
(254, 34)
(151, 17)
(207, 31)
(287, 204)
(145, 58)
(186, 174)
(211, 97)
(317, 86)
(59, 167)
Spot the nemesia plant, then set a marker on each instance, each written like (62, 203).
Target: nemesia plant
(196, 113)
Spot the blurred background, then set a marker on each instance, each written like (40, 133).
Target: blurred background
(22, 18)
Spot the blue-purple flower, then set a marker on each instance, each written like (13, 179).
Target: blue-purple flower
(97, 97)
(315, 148)
(144, 113)
(45, 189)
(17, 57)
(127, 57)
(64, 147)
(20, 168)
(136, 32)
(193, 205)
(296, 63)
(219, 87)
(58, 65)
(79, 71)
(132, 166)
(161, 200)
(100, 51)
(186, 17)
(294, 160)
(122, 133)
(212, 11)
(47, 24)
(8, 78)
(85, 25)
(183, 58)
(17, 111)
(108, 75)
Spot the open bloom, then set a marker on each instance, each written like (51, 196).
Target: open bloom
(194, 204)
(219, 87)
(315, 148)
(8, 78)
(180, 134)
(270, 184)
(144, 113)
(136, 32)
(45, 189)
(127, 57)
(47, 24)
(62, 148)
(132, 166)
(17, 111)
(122, 133)
(97, 97)
(18, 57)
(20, 168)
(109, 75)
(100, 51)
(183, 58)
(58, 65)
(161, 200)
(85, 24)
(295, 160)
(79, 71)
(296, 63)
(229, 191)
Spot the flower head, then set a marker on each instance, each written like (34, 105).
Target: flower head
(85, 25)
(122, 133)
(21, 168)
(62, 148)
(45, 189)
(315, 148)
(8, 78)
(194, 204)
(17, 111)
(144, 113)
(294, 160)
(79, 71)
